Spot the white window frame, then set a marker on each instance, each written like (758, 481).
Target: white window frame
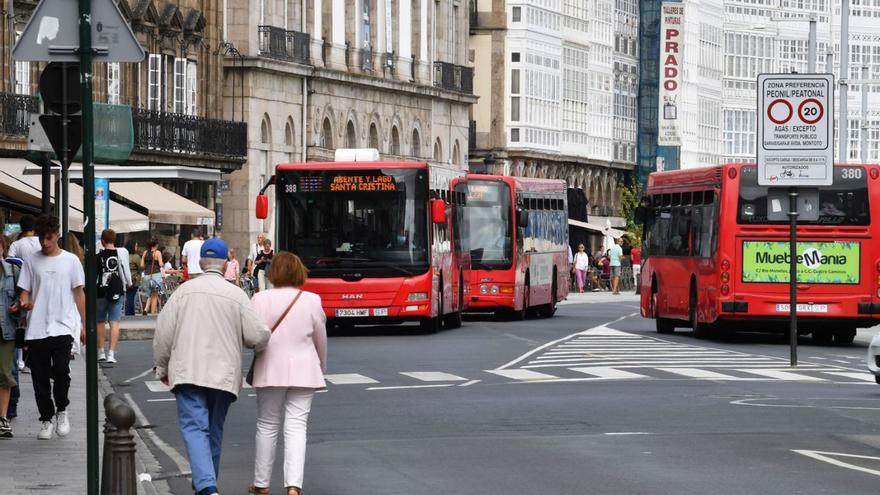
(192, 86)
(179, 89)
(22, 74)
(154, 82)
(113, 83)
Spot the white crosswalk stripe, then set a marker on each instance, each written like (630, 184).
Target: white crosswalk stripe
(349, 379)
(433, 376)
(524, 375)
(610, 373)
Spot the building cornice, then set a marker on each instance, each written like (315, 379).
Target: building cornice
(521, 154)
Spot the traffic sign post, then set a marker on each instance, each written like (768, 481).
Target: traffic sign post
(795, 149)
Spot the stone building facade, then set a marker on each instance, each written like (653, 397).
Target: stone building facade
(548, 76)
(385, 74)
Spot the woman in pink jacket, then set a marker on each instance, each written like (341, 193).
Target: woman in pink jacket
(288, 371)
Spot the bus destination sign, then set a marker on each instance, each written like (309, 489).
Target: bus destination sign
(346, 183)
(795, 131)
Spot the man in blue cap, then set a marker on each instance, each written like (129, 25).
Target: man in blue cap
(197, 351)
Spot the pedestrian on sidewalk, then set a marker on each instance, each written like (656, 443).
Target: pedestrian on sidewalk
(287, 373)
(231, 269)
(197, 351)
(8, 303)
(615, 255)
(261, 264)
(52, 282)
(153, 270)
(635, 256)
(189, 256)
(26, 245)
(113, 277)
(134, 268)
(581, 266)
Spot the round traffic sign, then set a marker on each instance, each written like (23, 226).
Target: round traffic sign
(811, 111)
(779, 111)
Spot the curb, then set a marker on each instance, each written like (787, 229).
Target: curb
(136, 333)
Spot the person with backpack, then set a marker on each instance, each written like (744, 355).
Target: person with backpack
(113, 278)
(8, 378)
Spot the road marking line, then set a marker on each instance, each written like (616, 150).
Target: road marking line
(785, 375)
(349, 379)
(609, 373)
(178, 460)
(523, 375)
(681, 363)
(823, 456)
(171, 399)
(468, 384)
(702, 374)
(412, 386)
(852, 374)
(145, 373)
(433, 376)
(626, 433)
(157, 386)
(563, 339)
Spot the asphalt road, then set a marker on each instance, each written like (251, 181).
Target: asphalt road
(591, 401)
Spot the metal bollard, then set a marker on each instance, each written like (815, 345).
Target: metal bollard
(118, 476)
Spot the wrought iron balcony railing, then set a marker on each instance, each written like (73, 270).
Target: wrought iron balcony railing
(454, 77)
(276, 42)
(15, 113)
(177, 133)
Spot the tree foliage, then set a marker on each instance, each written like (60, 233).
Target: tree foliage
(630, 197)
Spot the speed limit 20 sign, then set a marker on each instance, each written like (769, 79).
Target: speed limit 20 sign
(795, 129)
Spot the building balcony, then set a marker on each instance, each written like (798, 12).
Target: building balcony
(285, 45)
(188, 134)
(15, 110)
(454, 77)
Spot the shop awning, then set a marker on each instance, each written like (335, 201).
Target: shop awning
(597, 228)
(162, 205)
(122, 219)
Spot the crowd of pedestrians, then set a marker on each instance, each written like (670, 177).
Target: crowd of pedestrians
(604, 270)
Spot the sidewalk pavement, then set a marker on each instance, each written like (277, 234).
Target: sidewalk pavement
(575, 297)
(59, 465)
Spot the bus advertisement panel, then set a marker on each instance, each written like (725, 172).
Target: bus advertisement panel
(517, 239)
(717, 253)
(377, 239)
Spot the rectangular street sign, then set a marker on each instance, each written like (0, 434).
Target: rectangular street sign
(795, 129)
(52, 34)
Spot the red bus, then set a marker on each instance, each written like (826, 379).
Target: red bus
(379, 239)
(517, 238)
(716, 254)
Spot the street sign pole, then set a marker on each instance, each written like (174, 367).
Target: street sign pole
(792, 275)
(65, 163)
(88, 171)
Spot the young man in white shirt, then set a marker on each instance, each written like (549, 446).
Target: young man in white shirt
(191, 253)
(27, 243)
(52, 281)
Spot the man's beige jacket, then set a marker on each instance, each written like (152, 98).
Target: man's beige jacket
(201, 332)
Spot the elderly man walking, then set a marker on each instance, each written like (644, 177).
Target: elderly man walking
(197, 351)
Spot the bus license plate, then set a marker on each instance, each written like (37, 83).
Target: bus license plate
(352, 313)
(803, 308)
(380, 312)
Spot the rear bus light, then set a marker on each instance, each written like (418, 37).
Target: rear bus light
(731, 173)
(725, 289)
(725, 277)
(725, 265)
(417, 296)
(506, 290)
(874, 173)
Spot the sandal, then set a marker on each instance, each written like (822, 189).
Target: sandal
(256, 490)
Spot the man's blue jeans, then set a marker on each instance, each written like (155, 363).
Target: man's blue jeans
(201, 413)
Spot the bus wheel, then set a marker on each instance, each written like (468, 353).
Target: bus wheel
(453, 320)
(549, 309)
(845, 337)
(664, 325)
(432, 325)
(700, 330)
(524, 312)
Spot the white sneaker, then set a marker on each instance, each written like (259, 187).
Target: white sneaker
(111, 357)
(63, 424)
(101, 356)
(47, 429)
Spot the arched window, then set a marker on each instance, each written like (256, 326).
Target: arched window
(395, 141)
(438, 151)
(374, 137)
(265, 131)
(288, 139)
(416, 144)
(456, 154)
(327, 135)
(350, 136)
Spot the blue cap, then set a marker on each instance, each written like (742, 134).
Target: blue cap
(214, 247)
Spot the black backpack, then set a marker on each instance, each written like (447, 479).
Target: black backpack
(109, 282)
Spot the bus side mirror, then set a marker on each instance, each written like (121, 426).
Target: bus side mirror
(522, 218)
(262, 207)
(438, 211)
(639, 215)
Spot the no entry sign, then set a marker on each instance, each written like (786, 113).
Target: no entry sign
(795, 129)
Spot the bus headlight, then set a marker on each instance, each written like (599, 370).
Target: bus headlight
(417, 296)
(484, 289)
(494, 289)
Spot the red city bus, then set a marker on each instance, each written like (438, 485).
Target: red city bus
(716, 254)
(517, 238)
(380, 239)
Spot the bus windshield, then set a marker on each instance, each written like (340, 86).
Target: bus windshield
(370, 222)
(489, 224)
(843, 203)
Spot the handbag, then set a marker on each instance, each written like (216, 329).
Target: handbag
(249, 379)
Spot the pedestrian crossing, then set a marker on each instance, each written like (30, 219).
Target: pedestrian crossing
(605, 354)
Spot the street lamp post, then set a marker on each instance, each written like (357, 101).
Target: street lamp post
(843, 114)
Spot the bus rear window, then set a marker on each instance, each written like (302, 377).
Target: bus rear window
(844, 203)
